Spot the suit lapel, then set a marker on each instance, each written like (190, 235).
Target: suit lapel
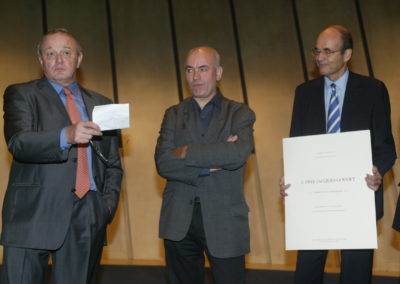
(319, 100)
(48, 92)
(217, 121)
(190, 120)
(350, 102)
(89, 101)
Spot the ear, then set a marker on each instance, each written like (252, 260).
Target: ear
(80, 57)
(347, 54)
(40, 60)
(219, 73)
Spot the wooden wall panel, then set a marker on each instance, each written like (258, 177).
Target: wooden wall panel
(209, 22)
(314, 16)
(382, 27)
(19, 63)
(146, 80)
(87, 20)
(273, 69)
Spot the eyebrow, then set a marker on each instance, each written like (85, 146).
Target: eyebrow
(202, 66)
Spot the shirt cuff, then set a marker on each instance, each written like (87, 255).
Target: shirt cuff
(63, 141)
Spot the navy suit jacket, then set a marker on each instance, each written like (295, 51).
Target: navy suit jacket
(366, 106)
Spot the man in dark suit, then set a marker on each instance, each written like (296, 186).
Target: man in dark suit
(202, 150)
(61, 195)
(343, 101)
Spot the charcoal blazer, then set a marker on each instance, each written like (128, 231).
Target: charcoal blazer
(224, 209)
(40, 193)
(366, 106)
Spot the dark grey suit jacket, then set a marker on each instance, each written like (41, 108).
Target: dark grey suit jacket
(224, 209)
(39, 198)
(366, 106)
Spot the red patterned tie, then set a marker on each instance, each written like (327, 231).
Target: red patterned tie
(82, 183)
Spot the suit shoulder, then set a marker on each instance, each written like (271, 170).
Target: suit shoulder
(310, 85)
(366, 81)
(22, 87)
(101, 98)
(238, 108)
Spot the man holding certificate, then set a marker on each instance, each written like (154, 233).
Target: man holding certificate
(342, 101)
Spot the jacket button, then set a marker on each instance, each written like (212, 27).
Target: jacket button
(75, 160)
(73, 190)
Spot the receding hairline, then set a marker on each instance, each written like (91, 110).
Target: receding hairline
(344, 33)
(215, 53)
(62, 31)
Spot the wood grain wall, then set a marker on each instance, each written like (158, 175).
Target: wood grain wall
(135, 50)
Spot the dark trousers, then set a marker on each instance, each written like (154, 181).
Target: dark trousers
(76, 261)
(356, 266)
(185, 258)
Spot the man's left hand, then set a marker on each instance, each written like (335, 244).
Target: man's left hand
(374, 180)
(180, 152)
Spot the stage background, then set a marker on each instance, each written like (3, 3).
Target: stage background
(134, 52)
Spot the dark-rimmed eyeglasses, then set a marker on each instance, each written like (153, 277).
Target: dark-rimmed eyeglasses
(326, 51)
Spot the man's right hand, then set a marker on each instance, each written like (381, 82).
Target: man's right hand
(283, 187)
(81, 132)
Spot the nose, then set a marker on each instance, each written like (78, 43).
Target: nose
(59, 57)
(196, 75)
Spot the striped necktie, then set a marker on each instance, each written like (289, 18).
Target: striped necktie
(333, 125)
(82, 183)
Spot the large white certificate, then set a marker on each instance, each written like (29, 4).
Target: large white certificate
(329, 205)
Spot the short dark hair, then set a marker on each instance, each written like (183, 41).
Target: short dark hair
(58, 31)
(347, 39)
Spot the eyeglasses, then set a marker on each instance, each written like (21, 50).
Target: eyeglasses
(326, 51)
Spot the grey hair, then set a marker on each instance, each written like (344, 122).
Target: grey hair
(57, 31)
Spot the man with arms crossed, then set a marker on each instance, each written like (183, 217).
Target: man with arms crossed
(202, 150)
(61, 195)
(343, 101)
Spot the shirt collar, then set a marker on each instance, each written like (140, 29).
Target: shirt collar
(215, 101)
(340, 83)
(73, 86)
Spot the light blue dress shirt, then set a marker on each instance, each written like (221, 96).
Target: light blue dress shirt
(341, 84)
(76, 93)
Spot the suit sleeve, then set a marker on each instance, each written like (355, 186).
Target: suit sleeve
(25, 141)
(112, 174)
(226, 155)
(295, 127)
(384, 153)
(168, 165)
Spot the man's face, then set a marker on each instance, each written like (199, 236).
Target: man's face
(60, 58)
(331, 61)
(201, 74)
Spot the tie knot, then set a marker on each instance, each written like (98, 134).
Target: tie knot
(333, 86)
(67, 91)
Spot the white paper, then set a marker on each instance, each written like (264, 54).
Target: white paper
(329, 205)
(111, 116)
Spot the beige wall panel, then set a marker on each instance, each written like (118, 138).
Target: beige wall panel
(208, 22)
(382, 26)
(87, 20)
(314, 16)
(20, 29)
(273, 69)
(146, 80)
